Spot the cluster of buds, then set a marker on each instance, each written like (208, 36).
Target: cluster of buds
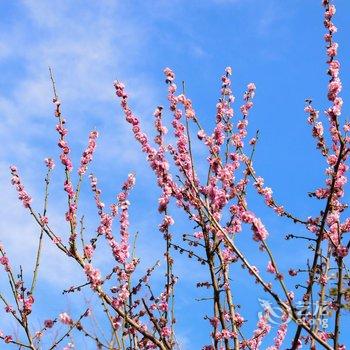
(88, 153)
(16, 182)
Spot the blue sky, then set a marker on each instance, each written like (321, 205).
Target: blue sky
(278, 45)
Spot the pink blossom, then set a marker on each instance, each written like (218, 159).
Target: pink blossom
(263, 328)
(44, 220)
(291, 295)
(119, 88)
(4, 261)
(49, 163)
(332, 50)
(38, 335)
(56, 240)
(166, 332)
(228, 70)
(334, 67)
(342, 251)
(68, 187)
(270, 268)
(201, 134)
(281, 334)
(318, 130)
(93, 275)
(251, 87)
(228, 256)
(129, 183)
(224, 334)
(88, 251)
(252, 141)
(16, 182)
(170, 76)
(8, 339)
(260, 232)
(346, 127)
(248, 217)
(331, 10)
(48, 323)
(198, 235)
(65, 318)
(88, 153)
(167, 221)
(163, 306)
(163, 202)
(239, 320)
(9, 309)
(334, 88)
(292, 272)
(246, 107)
(27, 304)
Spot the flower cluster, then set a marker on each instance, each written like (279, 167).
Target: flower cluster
(16, 182)
(93, 275)
(65, 318)
(218, 206)
(62, 131)
(49, 163)
(4, 261)
(88, 153)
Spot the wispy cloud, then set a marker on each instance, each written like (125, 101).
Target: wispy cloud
(87, 48)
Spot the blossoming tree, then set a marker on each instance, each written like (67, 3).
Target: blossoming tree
(218, 206)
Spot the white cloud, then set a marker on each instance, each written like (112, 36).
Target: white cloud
(87, 50)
